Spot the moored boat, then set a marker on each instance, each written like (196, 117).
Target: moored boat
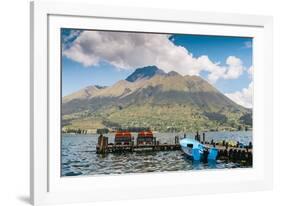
(196, 150)
(123, 137)
(145, 137)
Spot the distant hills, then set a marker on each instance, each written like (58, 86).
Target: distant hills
(149, 97)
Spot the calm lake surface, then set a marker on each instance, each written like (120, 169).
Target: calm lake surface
(79, 156)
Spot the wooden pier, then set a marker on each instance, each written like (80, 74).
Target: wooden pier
(111, 148)
(225, 152)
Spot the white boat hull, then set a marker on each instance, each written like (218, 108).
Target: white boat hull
(187, 151)
(195, 149)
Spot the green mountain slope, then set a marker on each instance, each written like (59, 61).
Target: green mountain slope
(161, 101)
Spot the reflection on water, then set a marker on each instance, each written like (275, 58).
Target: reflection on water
(79, 156)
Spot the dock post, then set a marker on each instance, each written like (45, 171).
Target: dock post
(243, 155)
(154, 140)
(98, 148)
(154, 143)
(237, 144)
(226, 154)
(239, 155)
(226, 145)
(204, 138)
(103, 143)
(176, 139)
(250, 145)
(213, 143)
(250, 158)
(197, 135)
(157, 145)
(234, 155)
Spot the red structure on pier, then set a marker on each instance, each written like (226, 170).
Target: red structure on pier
(145, 137)
(123, 138)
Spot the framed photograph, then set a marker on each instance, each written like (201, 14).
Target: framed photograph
(163, 104)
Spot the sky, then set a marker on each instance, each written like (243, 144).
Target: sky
(102, 58)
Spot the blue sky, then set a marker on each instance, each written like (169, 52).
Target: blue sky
(218, 48)
(75, 76)
(103, 58)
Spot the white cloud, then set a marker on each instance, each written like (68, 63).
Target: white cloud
(67, 39)
(243, 97)
(235, 68)
(133, 50)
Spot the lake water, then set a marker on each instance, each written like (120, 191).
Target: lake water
(79, 156)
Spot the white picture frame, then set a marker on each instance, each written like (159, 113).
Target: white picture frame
(47, 186)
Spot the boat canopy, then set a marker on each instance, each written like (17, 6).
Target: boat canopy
(123, 134)
(145, 134)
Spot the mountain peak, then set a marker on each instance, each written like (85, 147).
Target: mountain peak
(173, 73)
(144, 73)
(84, 93)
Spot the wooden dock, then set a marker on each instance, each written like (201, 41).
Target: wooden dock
(225, 152)
(111, 148)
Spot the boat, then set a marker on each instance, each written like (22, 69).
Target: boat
(145, 137)
(196, 150)
(123, 138)
(192, 148)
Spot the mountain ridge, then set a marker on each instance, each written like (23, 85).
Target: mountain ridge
(143, 78)
(150, 87)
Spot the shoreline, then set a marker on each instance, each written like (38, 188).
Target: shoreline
(157, 132)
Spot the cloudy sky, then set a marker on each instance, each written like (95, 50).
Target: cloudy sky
(103, 58)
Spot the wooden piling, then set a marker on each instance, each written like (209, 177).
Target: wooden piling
(102, 144)
(176, 139)
(197, 136)
(203, 137)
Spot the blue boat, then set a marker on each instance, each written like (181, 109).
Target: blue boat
(195, 150)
